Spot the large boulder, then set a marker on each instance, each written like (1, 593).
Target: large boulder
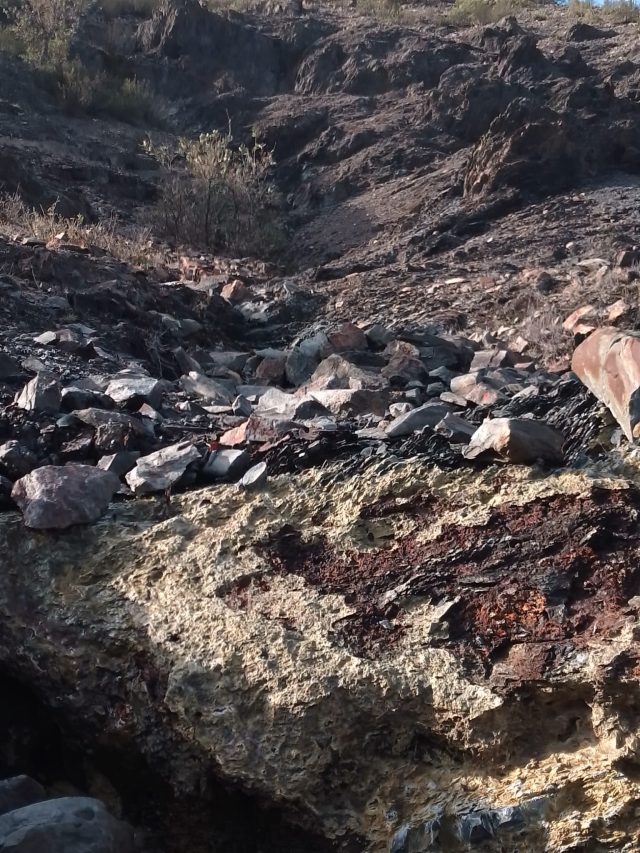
(65, 825)
(608, 362)
(60, 496)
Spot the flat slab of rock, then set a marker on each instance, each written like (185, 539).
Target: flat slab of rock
(136, 390)
(158, 471)
(518, 440)
(608, 363)
(226, 463)
(55, 497)
(203, 386)
(69, 824)
(428, 415)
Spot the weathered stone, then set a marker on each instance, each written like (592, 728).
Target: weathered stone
(186, 362)
(65, 825)
(397, 409)
(208, 389)
(226, 463)
(119, 463)
(428, 415)
(491, 358)
(233, 360)
(271, 370)
(474, 388)
(80, 398)
(158, 471)
(336, 372)
(16, 460)
(455, 428)
(241, 406)
(135, 390)
(581, 320)
(404, 364)
(346, 337)
(299, 366)
(608, 362)
(19, 791)
(345, 402)
(518, 440)
(378, 336)
(236, 292)
(41, 394)
(278, 404)
(315, 346)
(61, 496)
(255, 477)
(98, 418)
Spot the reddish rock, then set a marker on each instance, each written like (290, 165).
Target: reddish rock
(608, 362)
(347, 402)
(236, 292)
(347, 337)
(271, 370)
(234, 437)
(580, 321)
(336, 372)
(473, 388)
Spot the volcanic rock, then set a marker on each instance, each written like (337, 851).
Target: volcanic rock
(16, 460)
(41, 394)
(521, 441)
(608, 362)
(59, 497)
(158, 471)
(133, 390)
(69, 824)
(19, 791)
(206, 388)
(255, 477)
(226, 463)
(429, 415)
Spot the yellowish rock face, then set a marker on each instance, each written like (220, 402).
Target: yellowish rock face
(374, 652)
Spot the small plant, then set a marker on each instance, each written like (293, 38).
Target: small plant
(42, 30)
(217, 195)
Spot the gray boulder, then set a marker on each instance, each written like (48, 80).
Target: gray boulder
(19, 791)
(59, 496)
(158, 471)
(65, 825)
(428, 415)
(41, 394)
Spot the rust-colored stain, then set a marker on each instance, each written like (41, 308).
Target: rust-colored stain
(556, 571)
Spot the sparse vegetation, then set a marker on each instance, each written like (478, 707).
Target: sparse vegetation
(133, 245)
(41, 32)
(468, 12)
(136, 8)
(217, 195)
(611, 11)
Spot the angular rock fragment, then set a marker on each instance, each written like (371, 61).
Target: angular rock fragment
(279, 404)
(518, 440)
(69, 824)
(236, 292)
(336, 372)
(119, 463)
(428, 415)
(608, 363)
(158, 471)
(16, 460)
(135, 390)
(226, 463)
(60, 496)
(347, 337)
(241, 406)
(476, 388)
(299, 366)
(74, 397)
(455, 428)
(203, 386)
(41, 394)
(347, 403)
(255, 477)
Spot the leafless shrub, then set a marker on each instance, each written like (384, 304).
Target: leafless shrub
(468, 12)
(216, 195)
(543, 329)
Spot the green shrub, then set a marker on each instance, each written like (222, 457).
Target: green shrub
(218, 196)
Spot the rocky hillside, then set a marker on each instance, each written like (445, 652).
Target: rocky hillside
(319, 390)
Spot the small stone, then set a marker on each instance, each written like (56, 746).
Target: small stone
(134, 390)
(299, 366)
(203, 386)
(397, 409)
(241, 406)
(474, 388)
(581, 317)
(347, 337)
(236, 292)
(378, 336)
(119, 463)
(271, 370)
(226, 464)
(158, 471)
(455, 428)
(79, 398)
(347, 403)
(41, 394)
(255, 477)
(61, 496)
(336, 372)
(16, 460)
